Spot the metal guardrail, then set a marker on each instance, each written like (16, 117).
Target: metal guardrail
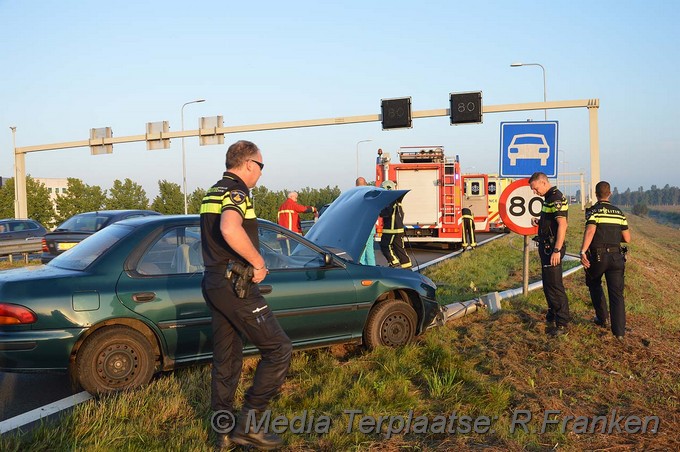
(20, 246)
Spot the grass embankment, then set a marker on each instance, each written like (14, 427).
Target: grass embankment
(485, 366)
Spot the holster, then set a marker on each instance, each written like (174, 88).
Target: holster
(241, 277)
(548, 243)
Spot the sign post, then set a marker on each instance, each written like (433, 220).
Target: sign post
(517, 206)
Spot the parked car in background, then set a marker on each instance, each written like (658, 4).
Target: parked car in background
(80, 226)
(11, 229)
(127, 303)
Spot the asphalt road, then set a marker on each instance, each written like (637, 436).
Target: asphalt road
(20, 393)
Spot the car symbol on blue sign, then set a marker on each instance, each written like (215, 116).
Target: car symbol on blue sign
(527, 147)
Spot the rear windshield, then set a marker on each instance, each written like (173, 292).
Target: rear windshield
(87, 251)
(90, 222)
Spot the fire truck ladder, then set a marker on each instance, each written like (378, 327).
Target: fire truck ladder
(449, 187)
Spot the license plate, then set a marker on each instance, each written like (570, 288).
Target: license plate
(66, 245)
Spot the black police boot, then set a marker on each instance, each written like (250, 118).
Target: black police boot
(601, 323)
(550, 317)
(244, 434)
(560, 330)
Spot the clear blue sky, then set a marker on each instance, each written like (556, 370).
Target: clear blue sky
(66, 67)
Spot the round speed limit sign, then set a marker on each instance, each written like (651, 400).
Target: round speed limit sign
(518, 205)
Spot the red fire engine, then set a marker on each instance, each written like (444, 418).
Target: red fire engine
(438, 192)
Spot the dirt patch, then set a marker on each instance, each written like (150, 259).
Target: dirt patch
(587, 373)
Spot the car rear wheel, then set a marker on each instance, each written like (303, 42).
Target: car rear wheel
(391, 323)
(113, 359)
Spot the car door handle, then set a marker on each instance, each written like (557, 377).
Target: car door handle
(265, 288)
(144, 297)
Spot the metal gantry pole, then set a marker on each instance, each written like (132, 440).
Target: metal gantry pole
(19, 152)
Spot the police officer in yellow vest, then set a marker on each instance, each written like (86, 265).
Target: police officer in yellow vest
(552, 232)
(229, 238)
(602, 254)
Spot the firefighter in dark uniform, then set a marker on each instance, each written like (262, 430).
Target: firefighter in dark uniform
(229, 235)
(602, 254)
(392, 239)
(468, 229)
(552, 231)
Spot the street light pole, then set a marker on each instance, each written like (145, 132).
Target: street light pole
(16, 176)
(361, 141)
(184, 158)
(545, 95)
(525, 270)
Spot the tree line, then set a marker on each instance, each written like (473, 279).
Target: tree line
(655, 196)
(81, 197)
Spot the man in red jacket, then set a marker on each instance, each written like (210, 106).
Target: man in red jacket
(290, 210)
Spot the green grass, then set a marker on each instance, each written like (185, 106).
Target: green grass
(489, 365)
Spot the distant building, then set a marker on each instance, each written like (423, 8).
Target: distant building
(55, 186)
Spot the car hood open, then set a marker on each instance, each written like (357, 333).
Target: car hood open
(347, 222)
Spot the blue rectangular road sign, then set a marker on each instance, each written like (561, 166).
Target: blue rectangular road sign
(527, 147)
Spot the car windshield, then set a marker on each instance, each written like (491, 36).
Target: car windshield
(85, 223)
(79, 257)
(287, 251)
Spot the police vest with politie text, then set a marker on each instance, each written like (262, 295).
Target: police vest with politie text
(610, 221)
(554, 205)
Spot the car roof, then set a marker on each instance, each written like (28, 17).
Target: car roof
(19, 219)
(117, 212)
(174, 218)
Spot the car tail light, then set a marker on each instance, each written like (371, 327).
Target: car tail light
(12, 314)
(44, 246)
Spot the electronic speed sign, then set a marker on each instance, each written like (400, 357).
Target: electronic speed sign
(466, 108)
(518, 205)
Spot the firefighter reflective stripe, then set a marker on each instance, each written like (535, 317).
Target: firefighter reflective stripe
(393, 231)
(468, 228)
(393, 222)
(393, 258)
(287, 222)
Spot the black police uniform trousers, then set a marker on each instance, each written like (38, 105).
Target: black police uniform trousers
(553, 287)
(611, 264)
(251, 318)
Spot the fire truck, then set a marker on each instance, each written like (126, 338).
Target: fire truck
(438, 193)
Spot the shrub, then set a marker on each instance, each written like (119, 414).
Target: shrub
(640, 209)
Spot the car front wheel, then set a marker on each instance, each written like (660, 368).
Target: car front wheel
(113, 359)
(391, 323)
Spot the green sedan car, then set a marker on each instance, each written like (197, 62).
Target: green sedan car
(126, 302)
